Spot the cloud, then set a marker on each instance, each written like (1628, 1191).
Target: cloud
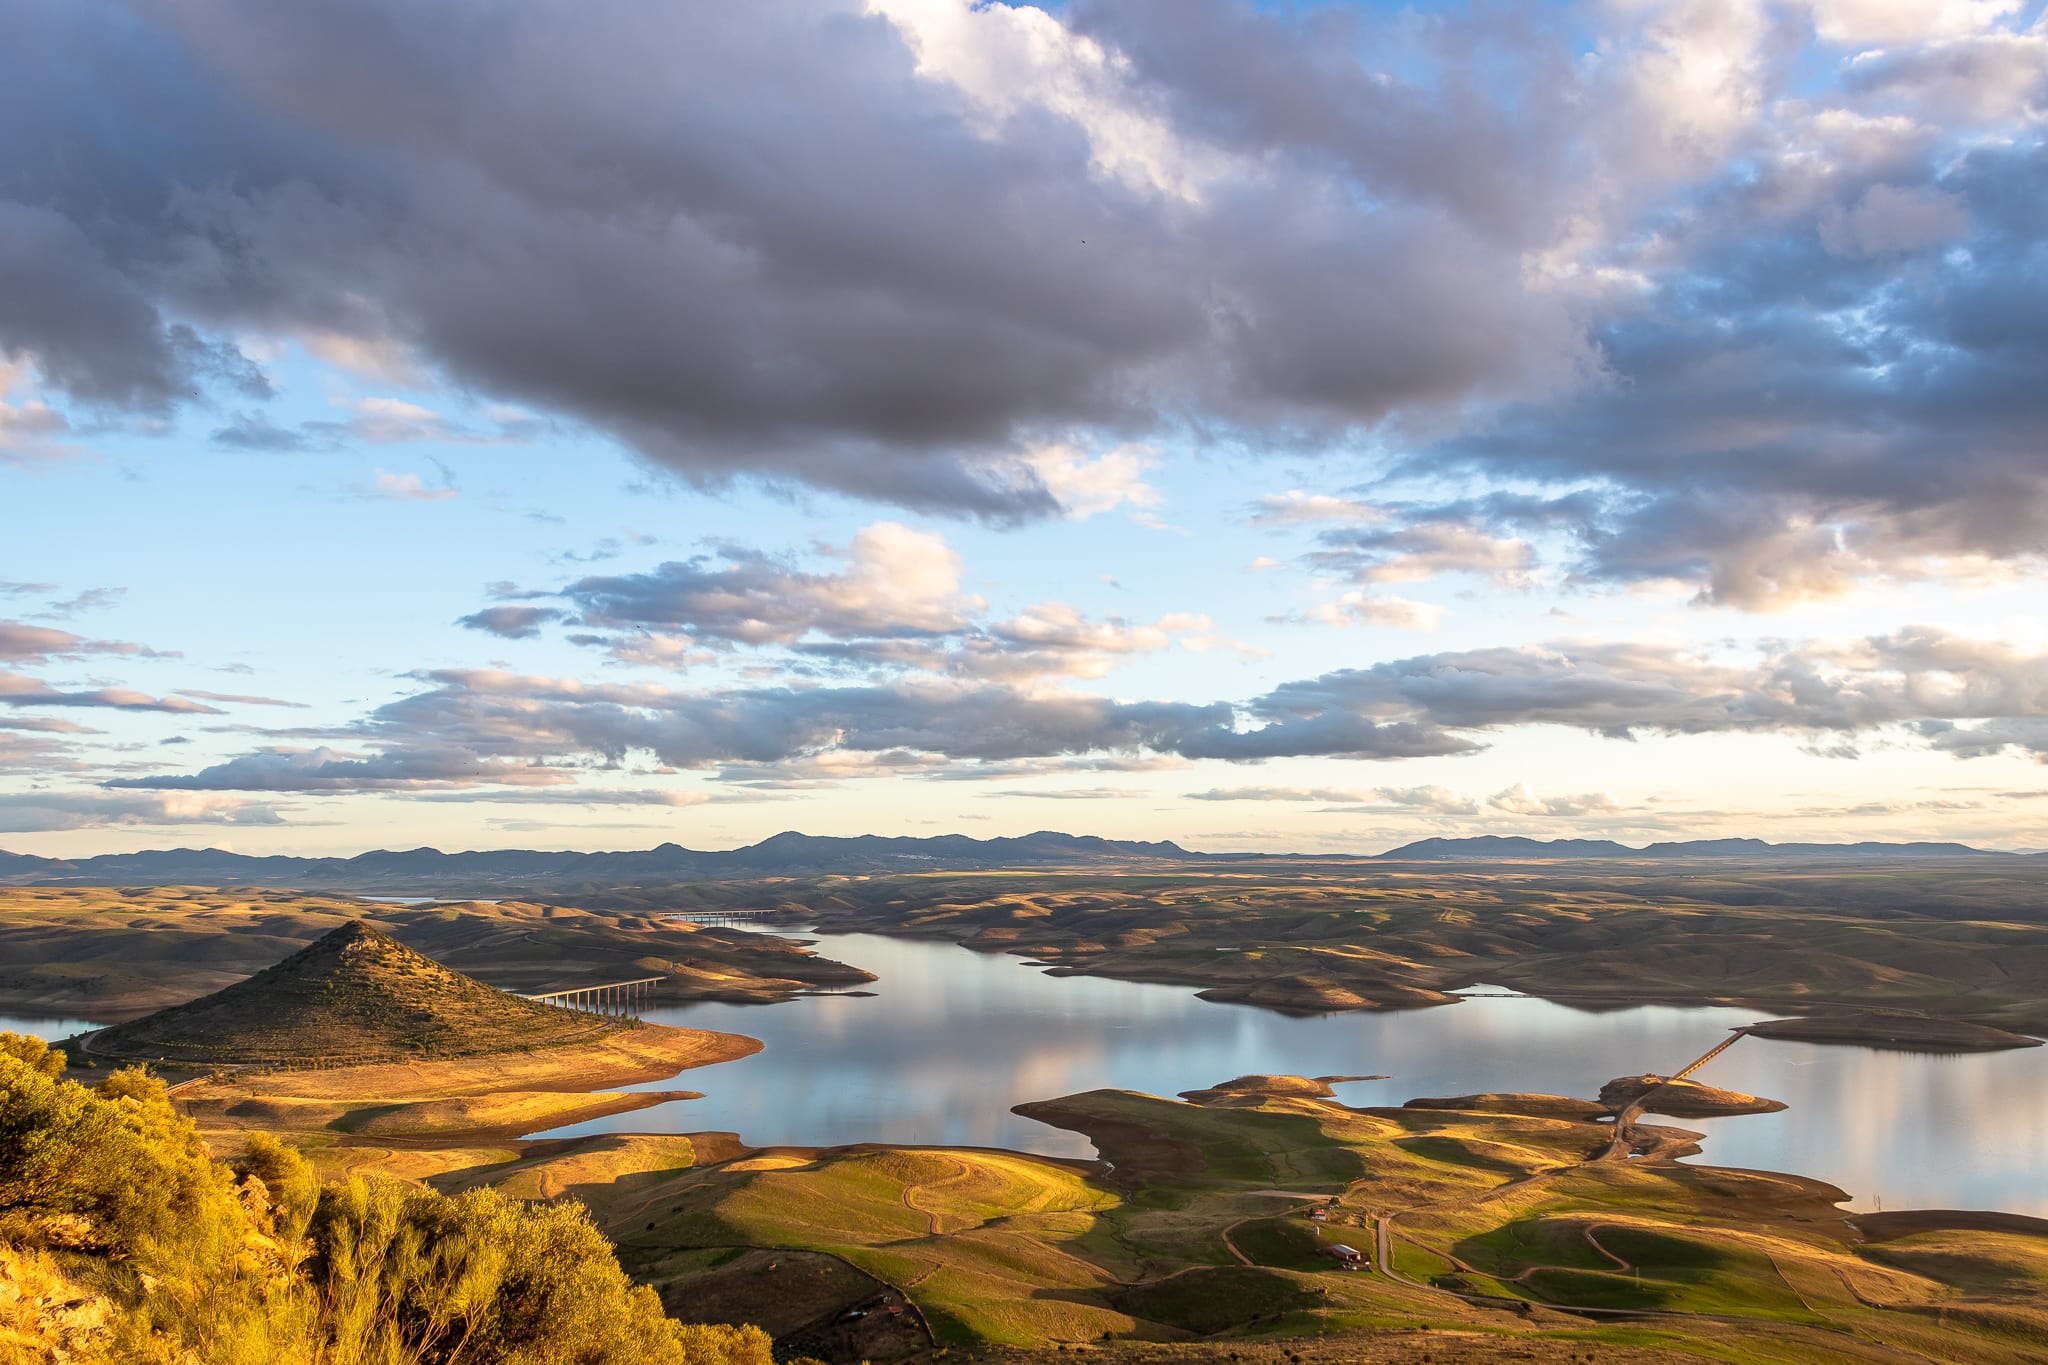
(1872, 23)
(1519, 800)
(987, 236)
(48, 725)
(1737, 293)
(411, 487)
(22, 643)
(897, 582)
(1915, 676)
(1085, 486)
(238, 698)
(19, 690)
(510, 623)
(1316, 794)
(1433, 800)
(503, 714)
(580, 796)
(477, 727)
(35, 754)
(91, 599)
(1887, 221)
(1423, 549)
(1073, 793)
(1376, 609)
(330, 770)
(27, 812)
(896, 605)
(1296, 508)
(255, 431)
(31, 432)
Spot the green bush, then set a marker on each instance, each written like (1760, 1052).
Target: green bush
(108, 1196)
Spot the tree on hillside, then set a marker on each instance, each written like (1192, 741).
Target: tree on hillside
(121, 1239)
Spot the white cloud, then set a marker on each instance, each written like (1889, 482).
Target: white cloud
(1519, 800)
(1010, 59)
(27, 812)
(1086, 486)
(1868, 23)
(408, 488)
(1296, 508)
(31, 431)
(1361, 608)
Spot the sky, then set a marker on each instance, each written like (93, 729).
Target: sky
(1289, 427)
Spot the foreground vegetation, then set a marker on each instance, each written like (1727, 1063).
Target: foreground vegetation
(122, 1240)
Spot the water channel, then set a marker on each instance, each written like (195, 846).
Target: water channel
(952, 1039)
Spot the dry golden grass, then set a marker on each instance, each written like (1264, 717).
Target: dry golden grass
(1953, 941)
(115, 953)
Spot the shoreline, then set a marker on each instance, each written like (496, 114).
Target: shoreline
(1275, 995)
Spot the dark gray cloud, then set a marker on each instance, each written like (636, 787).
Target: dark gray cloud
(477, 728)
(255, 431)
(896, 582)
(1789, 417)
(1965, 686)
(1774, 329)
(510, 717)
(797, 258)
(510, 623)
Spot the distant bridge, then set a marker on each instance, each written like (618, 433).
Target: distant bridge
(1730, 1041)
(722, 916)
(624, 998)
(1623, 1141)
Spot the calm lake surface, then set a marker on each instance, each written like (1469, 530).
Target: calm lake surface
(952, 1039)
(44, 1027)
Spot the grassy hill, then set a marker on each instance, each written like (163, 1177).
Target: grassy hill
(111, 954)
(355, 993)
(1200, 1242)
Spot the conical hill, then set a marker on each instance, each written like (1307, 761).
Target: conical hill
(353, 995)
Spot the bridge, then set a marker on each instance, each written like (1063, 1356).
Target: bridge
(1716, 1050)
(724, 917)
(1623, 1141)
(624, 998)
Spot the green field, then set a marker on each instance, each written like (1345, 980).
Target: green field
(1201, 1242)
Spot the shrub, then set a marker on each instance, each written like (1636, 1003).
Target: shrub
(108, 1198)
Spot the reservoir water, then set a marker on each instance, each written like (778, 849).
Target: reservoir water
(46, 1027)
(952, 1039)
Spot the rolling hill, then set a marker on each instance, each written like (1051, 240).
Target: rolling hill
(356, 994)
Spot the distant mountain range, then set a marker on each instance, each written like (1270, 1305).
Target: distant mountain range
(1515, 848)
(430, 872)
